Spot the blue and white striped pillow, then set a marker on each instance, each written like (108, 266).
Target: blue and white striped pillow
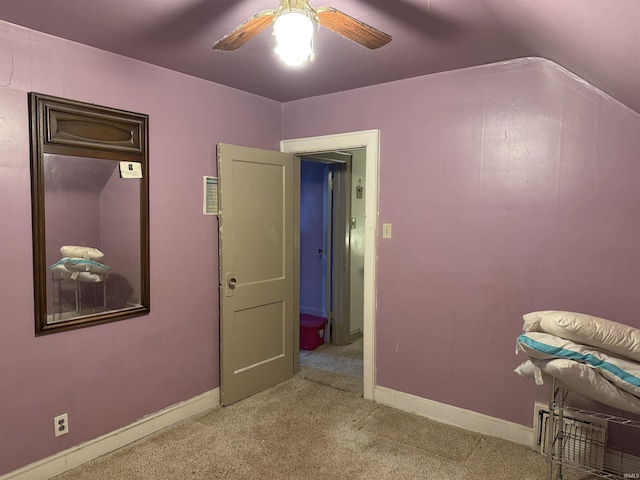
(620, 371)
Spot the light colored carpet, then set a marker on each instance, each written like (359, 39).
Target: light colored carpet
(338, 367)
(306, 429)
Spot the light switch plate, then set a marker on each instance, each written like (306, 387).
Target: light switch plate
(386, 230)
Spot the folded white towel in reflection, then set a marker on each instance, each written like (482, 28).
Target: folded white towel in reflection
(67, 274)
(82, 265)
(77, 251)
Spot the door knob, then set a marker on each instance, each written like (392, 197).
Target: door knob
(231, 284)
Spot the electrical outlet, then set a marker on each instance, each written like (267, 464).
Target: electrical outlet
(61, 424)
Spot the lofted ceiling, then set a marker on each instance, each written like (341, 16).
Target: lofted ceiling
(598, 40)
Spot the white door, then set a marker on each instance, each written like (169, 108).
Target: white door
(257, 301)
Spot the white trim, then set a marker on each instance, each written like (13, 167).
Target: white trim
(370, 140)
(76, 456)
(459, 417)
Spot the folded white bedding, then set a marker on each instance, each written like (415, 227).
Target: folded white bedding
(77, 276)
(82, 265)
(585, 329)
(582, 379)
(622, 372)
(77, 251)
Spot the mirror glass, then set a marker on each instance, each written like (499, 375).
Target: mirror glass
(90, 214)
(90, 226)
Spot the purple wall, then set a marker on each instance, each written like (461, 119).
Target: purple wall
(108, 376)
(511, 187)
(312, 178)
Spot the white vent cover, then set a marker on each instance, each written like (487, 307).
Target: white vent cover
(209, 195)
(584, 439)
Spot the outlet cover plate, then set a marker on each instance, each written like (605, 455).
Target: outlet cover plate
(61, 424)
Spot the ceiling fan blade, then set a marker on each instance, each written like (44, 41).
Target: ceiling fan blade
(350, 28)
(245, 32)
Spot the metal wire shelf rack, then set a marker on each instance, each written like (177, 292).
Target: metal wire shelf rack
(582, 445)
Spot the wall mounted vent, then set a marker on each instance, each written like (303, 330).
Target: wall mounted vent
(584, 439)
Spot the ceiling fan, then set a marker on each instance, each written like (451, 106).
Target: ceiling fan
(291, 11)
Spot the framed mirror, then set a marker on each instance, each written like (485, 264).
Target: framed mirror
(90, 213)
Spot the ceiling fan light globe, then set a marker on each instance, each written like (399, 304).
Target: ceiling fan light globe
(294, 37)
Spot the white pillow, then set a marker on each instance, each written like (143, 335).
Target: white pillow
(67, 274)
(532, 322)
(75, 251)
(588, 330)
(582, 379)
(622, 372)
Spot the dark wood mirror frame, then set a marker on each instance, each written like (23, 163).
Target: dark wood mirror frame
(63, 127)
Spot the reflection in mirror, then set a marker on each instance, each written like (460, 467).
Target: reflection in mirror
(90, 198)
(90, 228)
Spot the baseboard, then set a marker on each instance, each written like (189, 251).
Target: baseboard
(355, 335)
(459, 417)
(76, 456)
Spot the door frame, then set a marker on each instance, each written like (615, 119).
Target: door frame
(370, 140)
(340, 267)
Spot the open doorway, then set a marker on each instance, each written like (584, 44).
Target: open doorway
(281, 346)
(332, 218)
(370, 141)
(332, 215)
